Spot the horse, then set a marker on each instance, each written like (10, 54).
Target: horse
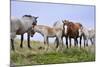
(47, 32)
(22, 25)
(71, 30)
(58, 24)
(87, 34)
(92, 36)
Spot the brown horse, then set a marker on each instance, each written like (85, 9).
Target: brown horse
(71, 30)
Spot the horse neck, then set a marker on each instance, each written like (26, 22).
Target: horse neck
(58, 25)
(44, 30)
(39, 29)
(86, 31)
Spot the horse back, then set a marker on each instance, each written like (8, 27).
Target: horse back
(54, 30)
(16, 25)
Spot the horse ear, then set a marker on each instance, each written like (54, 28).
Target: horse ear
(36, 17)
(66, 20)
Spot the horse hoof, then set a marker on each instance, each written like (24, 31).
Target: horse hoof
(87, 45)
(66, 47)
(21, 46)
(30, 48)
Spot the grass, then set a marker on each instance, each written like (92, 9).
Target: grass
(36, 56)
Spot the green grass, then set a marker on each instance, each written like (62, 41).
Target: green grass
(35, 56)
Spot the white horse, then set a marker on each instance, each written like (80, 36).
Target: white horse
(47, 32)
(92, 36)
(88, 34)
(58, 24)
(21, 26)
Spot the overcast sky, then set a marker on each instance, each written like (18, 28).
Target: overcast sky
(48, 13)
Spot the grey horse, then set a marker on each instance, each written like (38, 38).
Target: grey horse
(87, 34)
(22, 25)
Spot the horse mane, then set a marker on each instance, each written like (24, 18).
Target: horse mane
(80, 24)
(27, 16)
(70, 23)
(55, 24)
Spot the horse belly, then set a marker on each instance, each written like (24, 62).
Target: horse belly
(19, 31)
(73, 35)
(51, 35)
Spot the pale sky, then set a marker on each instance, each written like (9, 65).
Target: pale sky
(48, 13)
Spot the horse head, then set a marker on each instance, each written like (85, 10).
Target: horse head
(65, 22)
(65, 26)
(35, 20)
(31, 18)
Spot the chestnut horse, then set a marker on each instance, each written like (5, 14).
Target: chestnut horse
(71, 30)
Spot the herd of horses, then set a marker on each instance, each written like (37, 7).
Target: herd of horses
(65, 28)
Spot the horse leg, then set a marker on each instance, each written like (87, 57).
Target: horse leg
(80, 41)
(48, 41)
(70, 42)
(45, 42)
(12, 44)
(62, 41)
(28, 40)
(57, 42)
(76, 42)
(86, 42)
(67, 42)
(91, 41)
(21, 45)
(13, 35)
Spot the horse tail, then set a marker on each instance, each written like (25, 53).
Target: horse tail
(80, 25)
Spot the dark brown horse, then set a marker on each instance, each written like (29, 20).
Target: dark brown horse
(71, 30)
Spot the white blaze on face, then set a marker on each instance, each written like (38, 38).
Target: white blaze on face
(65, 29)
(80, 32)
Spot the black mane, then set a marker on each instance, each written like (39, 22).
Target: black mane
(27, 16)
